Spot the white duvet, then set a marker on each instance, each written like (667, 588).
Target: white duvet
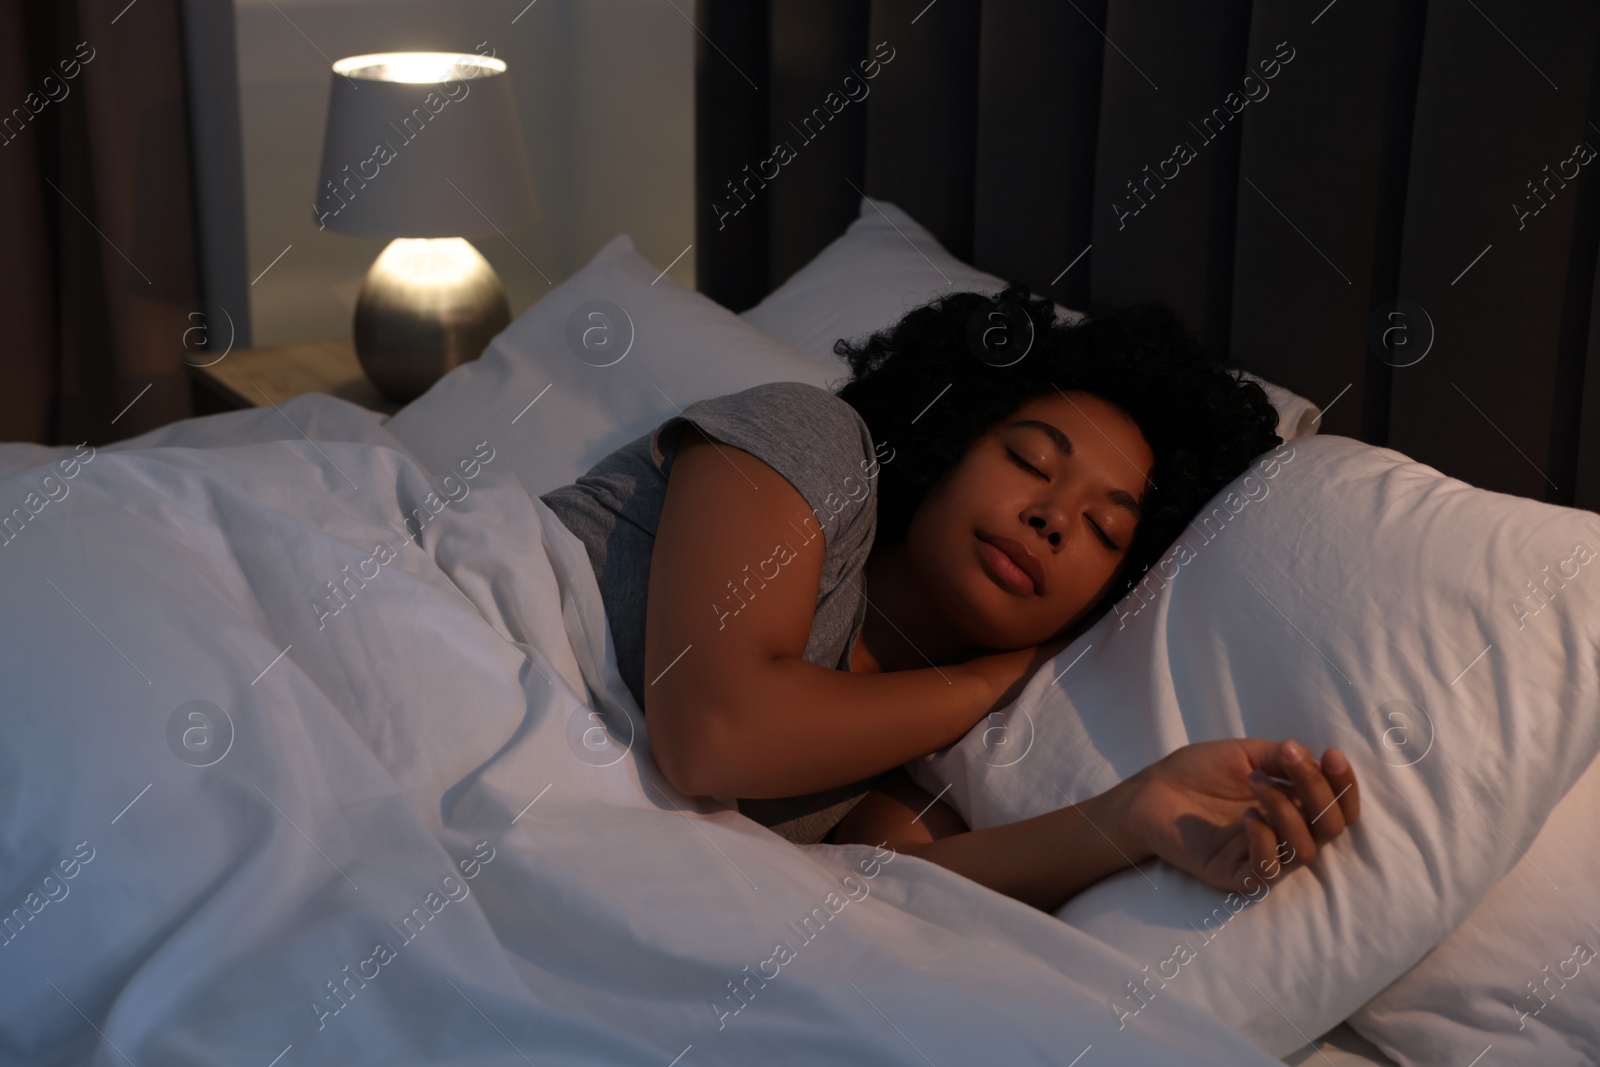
(307, 757)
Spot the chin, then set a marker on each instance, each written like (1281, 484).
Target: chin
(990, 617)
(986, 613)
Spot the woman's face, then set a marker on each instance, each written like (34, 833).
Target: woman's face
(1074, 511)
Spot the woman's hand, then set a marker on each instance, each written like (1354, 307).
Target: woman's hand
(1201, 808)
(1006, 674)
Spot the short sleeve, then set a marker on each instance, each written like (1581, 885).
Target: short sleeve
(814, 439)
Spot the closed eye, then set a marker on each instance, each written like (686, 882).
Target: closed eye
(1025, 465)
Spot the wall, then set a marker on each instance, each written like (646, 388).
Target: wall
(605, 89)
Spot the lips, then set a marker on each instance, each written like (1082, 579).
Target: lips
(1020, 557)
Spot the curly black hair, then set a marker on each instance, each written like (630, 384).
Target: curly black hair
(1204, 424)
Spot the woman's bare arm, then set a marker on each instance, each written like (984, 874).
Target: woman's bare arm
(732, 707)
(1235, 814)
(1043, 861)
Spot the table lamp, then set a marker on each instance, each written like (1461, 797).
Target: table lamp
(424, 148)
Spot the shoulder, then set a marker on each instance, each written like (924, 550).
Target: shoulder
(794, 406)
(779, 417)
(817, 441)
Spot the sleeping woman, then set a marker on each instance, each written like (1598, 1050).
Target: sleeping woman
(808, 589)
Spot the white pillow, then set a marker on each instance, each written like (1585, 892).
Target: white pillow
(1523, 973)
(1343, 595)
(620, 349)
(1297, 416)
(884, 265)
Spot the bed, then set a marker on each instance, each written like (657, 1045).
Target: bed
(315, 750)
(299, 769)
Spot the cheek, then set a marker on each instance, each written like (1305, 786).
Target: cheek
(967, 497)
(938, 514)
(938, 543)
(930, 535)
(1093, 580)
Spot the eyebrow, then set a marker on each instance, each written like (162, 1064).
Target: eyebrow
(1063, 443)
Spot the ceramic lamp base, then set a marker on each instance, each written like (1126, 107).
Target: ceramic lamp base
(428, 305)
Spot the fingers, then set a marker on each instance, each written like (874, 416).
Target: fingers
(1327, 792)
(1324, 816)
(1314, 803)
(1285, 819)
(1264, 861)
(1343, 779)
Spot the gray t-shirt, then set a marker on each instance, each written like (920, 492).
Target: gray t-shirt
(821, 446)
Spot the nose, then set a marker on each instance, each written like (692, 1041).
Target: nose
(1054, 536)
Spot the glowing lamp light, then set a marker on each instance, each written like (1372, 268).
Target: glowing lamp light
(429, 261)
(417, 68)
(424, 148)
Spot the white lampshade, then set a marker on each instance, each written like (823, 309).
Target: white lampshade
(423, 144)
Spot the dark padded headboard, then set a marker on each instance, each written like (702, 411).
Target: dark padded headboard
(1433, 154)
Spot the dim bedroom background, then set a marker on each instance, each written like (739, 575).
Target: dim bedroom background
(315, 745)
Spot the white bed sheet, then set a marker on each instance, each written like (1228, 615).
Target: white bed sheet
(307, 417)
(427, 751)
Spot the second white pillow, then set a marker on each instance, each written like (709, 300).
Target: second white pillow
(887, 263)
(606, 356)
(1523, 973)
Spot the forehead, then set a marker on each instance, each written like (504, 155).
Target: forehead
(1093, 423)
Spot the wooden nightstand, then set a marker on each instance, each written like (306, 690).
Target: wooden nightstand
(260, 377)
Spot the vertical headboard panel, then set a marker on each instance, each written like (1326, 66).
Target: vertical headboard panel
(812, 111)
(1172, 63)
(1322, 180)
(1320, 227)
(922, 120)
(1587, 479)
(730, 134)
(1496, 401)
(1038, 117)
